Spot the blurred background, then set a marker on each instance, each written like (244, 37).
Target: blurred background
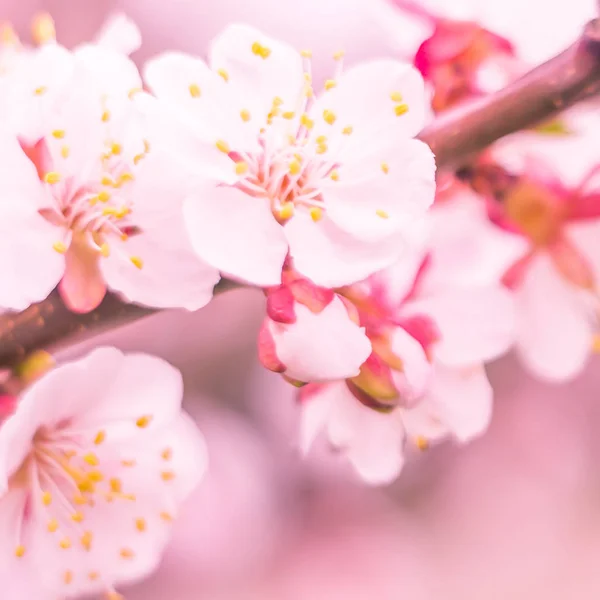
(514, 515)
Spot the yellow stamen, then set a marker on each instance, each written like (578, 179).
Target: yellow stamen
(316, 214)
(277, 101)
(126, 553)
(52, 177)
(80, 500)
(295, 167)
(128, 463)
(223, 73)
(91, 459)
(321, 148)
(140, 524)
(321, 139)
(59, 247)
(105, 116)
(52, 525)
(101, 435)
(330, 84)
(20, 551)
(347, 130)
(329, 116)
(167, 475)
(288, 114)
(65, 543)
(241, 168)
(385, 167)
(105, 252)
(103, 196)
(86, 540)
(381, 213)
(596, 344)
(422, 442)
(194, 90)
(223, 146)
(87, 486)
(43, 29)
(96, 476)
(65, 151)
(167, 454)
(144, 421)
(335, 176)
(116, 149)
(286, 211)
(47, 498)
(77, 517)
(401, 109)
(59, 134)
(165, 516)
(68, 577)
(306, 53)
(40, 91)
(338, 55)
(93, 575)
(115, 485)
(124, 178)
(396, 97)
(136, 261)
(132, 92)
(307, 121)
(245, 115)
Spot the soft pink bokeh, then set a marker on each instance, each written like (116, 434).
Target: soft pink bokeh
(514, 515)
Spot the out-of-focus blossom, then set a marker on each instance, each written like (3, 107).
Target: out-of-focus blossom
(86, 199)
(95, 463)
(334, 180)
(424, 380)
(310, 333)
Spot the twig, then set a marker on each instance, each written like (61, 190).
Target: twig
(563, 81)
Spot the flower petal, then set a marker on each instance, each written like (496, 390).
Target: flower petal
(323, 346)
(236, 234)
(477, 324)
(120, 34)
(555, 330)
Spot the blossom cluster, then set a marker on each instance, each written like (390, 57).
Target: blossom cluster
(386, 292)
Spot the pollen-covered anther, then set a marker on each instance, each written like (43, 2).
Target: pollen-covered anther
(329, 116)
(65, 151)
(335, 176)
(316, 214)
(288, 114)
(194, 89)
(222, 146)
(223, 73)
(52, 177)
(46, 498)
(347, 130)
(77, 517)
(306, 121)
(321, 148)
(65, 543)
(104, 252)
(167, 475)
(126, 553)
(241, 168)
(330, 84)
(167, 454)
(86, 540)
(259, 50)
(96, 476)
(385, 167)
(116, 486)
(143, 421)
(382, 213)
(421, 442)
(167, 517)
(401, 109)
(245, 115)
(68, 577)
(133, 92)
(140, 525)
(105, 117)
(295, 167)
(103, 196)
(40, 91)
(136, 261)
(52, 526)
(91, 459)
(116, 149)
(306, 53)
(113, 595)
(20, 551)
(286, 211)
(338, 55)
(396, 97)
(59, 134)
(8, 35)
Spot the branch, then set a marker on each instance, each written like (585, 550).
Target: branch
(554, 86)
(563, 81)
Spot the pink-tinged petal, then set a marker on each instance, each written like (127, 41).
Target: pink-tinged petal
(416, 372)
(39, 155)
(236, 234)
(259, 69)
(29, 266)
(459, 403)
(386, 187)
(423, 328)
(554, 328)
(315, 409)
(202, 98)
(377, 382)
(310, 295)
(331, 257)
(476, 324)
(467, 248)
(585, 236)
(323, 346)
(280, 305)
(120, 33)
(571, 263)
(365, 99)
(267, 350)
(371, 441)
(82, 287)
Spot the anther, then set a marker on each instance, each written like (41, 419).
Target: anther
(329, 116)
(335, 176)
(401, 109)
(260, 50)
(307, 121)
(330, 84)
(65, 151)
(65, 543)
(126, 553)
(382, 213)
(288, 114)
(136, 261)
(286, 211)
(306, 53)
(91, 459)
(93, 575)
(167, 454)
(59, 134)
(144, 421)
(223, 73)
(40, 91)
(316, 214)
(103, 196)
(52, 177)
(77, 517)
(165, 516)
(52, 525)
(241, 168)
(338, 55)
(20, 551)
(295, 167)
(105, 116)
(385, 167)
(86, 540)
(421, 442)
(321, 148)
(245, 115)
(47, 498)
(95, 476)
(347, 130)
(68, 577)
(167, 475)
(133, 92)
(115, 485)
(194, 90)
(223, 146)
(140, 524)
(116, 149)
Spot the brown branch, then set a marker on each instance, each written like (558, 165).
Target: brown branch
(563, 81)
(454, 137)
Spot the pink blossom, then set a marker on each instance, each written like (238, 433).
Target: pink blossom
(95, 463)
(310, 333)
(334, 181)
(431, 336)
(87, 200)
